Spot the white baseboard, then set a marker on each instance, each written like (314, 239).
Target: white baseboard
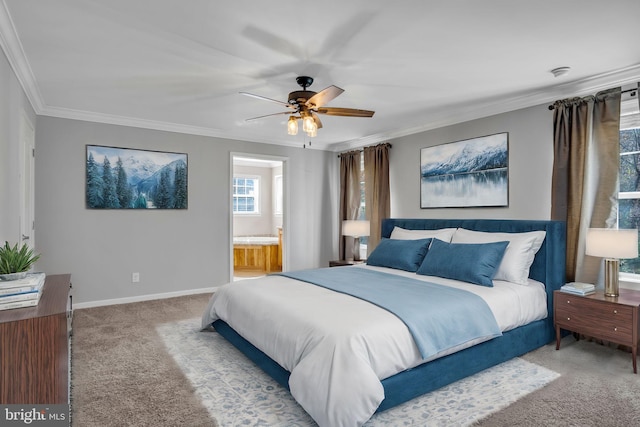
(143, 298)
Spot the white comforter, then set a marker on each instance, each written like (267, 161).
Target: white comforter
(338, 347)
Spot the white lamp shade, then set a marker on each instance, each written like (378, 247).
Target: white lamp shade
(355, 228)
(612, 243)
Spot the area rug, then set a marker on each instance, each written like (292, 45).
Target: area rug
(236, 392)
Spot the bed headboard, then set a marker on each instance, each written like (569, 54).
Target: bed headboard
(549, 263)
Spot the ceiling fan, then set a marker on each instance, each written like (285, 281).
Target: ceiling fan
(305, 105)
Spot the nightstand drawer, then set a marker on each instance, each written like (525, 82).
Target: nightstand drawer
(598, 309)
(607, 328)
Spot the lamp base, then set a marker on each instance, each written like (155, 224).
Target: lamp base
(356, 249)
(611, 270)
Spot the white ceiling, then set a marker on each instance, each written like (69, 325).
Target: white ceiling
(179, 65)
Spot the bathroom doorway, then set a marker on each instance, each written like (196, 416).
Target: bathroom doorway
(258, 215)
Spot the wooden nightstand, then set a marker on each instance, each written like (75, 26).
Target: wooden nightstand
(612, 319)
(342, 262)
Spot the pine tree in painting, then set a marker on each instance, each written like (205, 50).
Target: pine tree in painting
(94, 184)
(140, 202)
(180, 187)
(122, 186)
(109, 195)
(162, 197)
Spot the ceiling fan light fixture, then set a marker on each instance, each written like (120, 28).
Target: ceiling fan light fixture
(308, 123)
(306, 105)
(292, 125)
(313, 131)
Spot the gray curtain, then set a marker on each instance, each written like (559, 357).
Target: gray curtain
(349, 194)
(376, 190)
(585, 173)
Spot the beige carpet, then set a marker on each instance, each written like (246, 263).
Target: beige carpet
(123, 376)
(121, 372)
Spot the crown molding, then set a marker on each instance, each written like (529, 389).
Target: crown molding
(112, 119)
(14, 52)
(485, 108)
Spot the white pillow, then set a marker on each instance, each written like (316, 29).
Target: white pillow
(519, 254)
(443, 234)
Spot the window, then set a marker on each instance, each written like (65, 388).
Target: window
(246, 192)
(629, 190)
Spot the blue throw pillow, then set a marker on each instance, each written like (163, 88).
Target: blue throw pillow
(400, 254)
(470, 262)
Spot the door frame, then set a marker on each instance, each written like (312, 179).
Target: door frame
(285, 204)
(26, 232)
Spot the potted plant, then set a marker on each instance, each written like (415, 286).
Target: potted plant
(15, 262)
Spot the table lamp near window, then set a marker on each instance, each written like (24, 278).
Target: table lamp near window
(612, 244)
(356, 229)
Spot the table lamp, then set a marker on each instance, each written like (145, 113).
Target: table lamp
(612, 244)
(355, 228)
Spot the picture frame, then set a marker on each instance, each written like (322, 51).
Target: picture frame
(469, 173)
(128, 178)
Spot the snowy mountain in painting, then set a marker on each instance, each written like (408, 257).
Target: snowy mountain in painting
(147, 184)
(139, 168)
(472, 158)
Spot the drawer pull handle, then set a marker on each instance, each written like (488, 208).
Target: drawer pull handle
(568, 301)
(568, 318)
(615, 311)
(615, 329)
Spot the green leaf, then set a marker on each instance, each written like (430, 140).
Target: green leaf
(16, 260)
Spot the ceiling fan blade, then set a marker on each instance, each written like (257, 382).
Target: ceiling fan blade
(316, 119)
(324, 96)
(348, 112)
(264, 98)
(268, 115)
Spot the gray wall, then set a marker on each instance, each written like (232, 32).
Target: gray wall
(530, 165)
(174, 251)
(13, 103)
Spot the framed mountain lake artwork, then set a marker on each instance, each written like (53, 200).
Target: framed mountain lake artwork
(125, 178)
(469, 173)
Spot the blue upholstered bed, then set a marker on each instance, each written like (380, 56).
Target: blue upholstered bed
(548, 267)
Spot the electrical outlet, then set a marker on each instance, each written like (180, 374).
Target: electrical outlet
(135, 277)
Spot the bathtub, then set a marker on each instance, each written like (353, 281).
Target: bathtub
(257, 254)
(255, 240)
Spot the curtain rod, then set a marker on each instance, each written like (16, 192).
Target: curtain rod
(632, 90)
(388, 144)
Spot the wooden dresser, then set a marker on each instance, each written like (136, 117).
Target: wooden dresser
(34, 347)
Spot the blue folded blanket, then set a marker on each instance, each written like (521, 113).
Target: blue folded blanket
(438, 317)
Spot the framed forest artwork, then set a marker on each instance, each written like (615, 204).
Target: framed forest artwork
(125, 178)
(469, 173)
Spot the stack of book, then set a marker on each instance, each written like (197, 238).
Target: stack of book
(21, 293)
(579, 288)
